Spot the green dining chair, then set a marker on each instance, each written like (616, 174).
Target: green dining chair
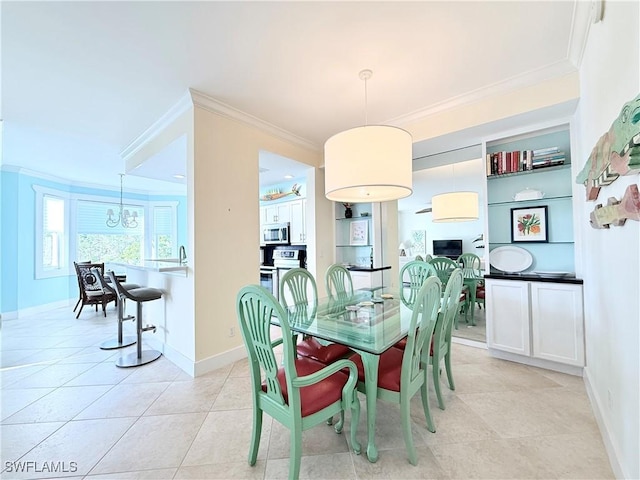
(401, 373)
(300, 394)
(470, 264)
(417, 272)
(419, 258)
(441, 346)
(299, 297)
(443, 266)
(337, 281)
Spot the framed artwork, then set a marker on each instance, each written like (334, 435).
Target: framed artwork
(359, 232)
(529, 224)
(418, 242)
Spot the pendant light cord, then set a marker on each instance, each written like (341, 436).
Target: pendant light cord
(366, 75)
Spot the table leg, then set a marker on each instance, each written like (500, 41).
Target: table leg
(370, 363)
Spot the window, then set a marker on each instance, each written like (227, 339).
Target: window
(96, 242)
(163, 242)
(52, 233)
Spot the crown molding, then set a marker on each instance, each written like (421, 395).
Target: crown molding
(158, 126)
(583, 16)
(527, 79)
(212, 105)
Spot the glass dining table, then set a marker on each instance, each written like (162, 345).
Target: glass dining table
(368, 324)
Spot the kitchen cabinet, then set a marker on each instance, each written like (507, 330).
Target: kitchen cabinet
(278, 213)
(298, 222)
(536, 319)
(368, 280)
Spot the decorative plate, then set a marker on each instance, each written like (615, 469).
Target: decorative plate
(510, 259)
(552, 274)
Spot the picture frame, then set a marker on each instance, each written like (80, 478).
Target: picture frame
(418, 242)
(529, 225)
(359, 233)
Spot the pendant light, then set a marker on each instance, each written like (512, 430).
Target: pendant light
(454, 206)
(127, 219)
(372, 163)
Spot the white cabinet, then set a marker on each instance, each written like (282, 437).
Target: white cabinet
(507, 307)
(542, 320)
(279, 213)
(298, 222)
(557, 327)
(366, 280)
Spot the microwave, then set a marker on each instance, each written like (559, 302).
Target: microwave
(275, 234)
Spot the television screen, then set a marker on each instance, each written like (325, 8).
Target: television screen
(447, 248)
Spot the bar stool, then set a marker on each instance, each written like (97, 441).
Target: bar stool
(121, 341)
(138, 295)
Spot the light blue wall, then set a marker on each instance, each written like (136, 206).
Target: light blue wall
(19, 289)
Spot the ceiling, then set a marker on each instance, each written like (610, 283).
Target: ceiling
(82, 80)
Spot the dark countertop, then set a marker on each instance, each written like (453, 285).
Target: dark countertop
(368, 269)
(533, 277)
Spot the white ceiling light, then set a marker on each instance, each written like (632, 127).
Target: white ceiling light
(368, 164)
(455, 207)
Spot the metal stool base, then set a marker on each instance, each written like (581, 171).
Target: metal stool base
(114, 343)
(132, 359)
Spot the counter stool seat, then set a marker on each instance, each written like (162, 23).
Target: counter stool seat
(120, 341)
(138, 295)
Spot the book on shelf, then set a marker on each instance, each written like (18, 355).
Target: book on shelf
(549, 156)
(545, 151)
(548, 163)
(499, 163)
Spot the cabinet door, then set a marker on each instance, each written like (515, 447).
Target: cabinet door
(298, 222)
(279, 213)
(507, 308)
(557, 326)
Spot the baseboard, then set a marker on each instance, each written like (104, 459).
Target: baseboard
(538, 362)
(219, 361)
(607, 439)
(469, 343)
(176, 357)
(25, 312)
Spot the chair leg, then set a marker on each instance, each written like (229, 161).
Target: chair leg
(77, 303)
(80, 311)
(255, 435)
(447, 364)
(405, 414)
(424, 393)
(295, 450)
(436, 380)
(355, 419)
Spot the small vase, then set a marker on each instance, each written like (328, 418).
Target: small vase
(348, 213)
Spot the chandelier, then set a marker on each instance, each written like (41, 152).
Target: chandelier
(371, 163)
(126, 218)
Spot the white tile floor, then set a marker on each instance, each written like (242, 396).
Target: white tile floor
(64, 400)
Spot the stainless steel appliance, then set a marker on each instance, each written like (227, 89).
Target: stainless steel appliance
(285, 259)
(269, 279)
(276, 234)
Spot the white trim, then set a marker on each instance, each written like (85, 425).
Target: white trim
(26, 312)
(210, 104)
(527, 79)
(183, 104)
(580, 26)
(184, 363)
(605, 431)
(469, 343)
(65, 262)
(221, 360)
(538, 362)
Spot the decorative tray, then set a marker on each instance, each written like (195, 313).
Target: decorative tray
(510, 259)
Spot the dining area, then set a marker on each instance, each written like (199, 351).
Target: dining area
(386, 345)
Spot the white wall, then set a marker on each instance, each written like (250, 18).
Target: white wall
(468, 175)
(609, 77)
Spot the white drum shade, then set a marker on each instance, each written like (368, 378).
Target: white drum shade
(455, 207)
(368, 164)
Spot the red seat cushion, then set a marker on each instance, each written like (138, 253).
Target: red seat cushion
(317, 396)
(311, 348)
(389, 369)
(480, 292)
